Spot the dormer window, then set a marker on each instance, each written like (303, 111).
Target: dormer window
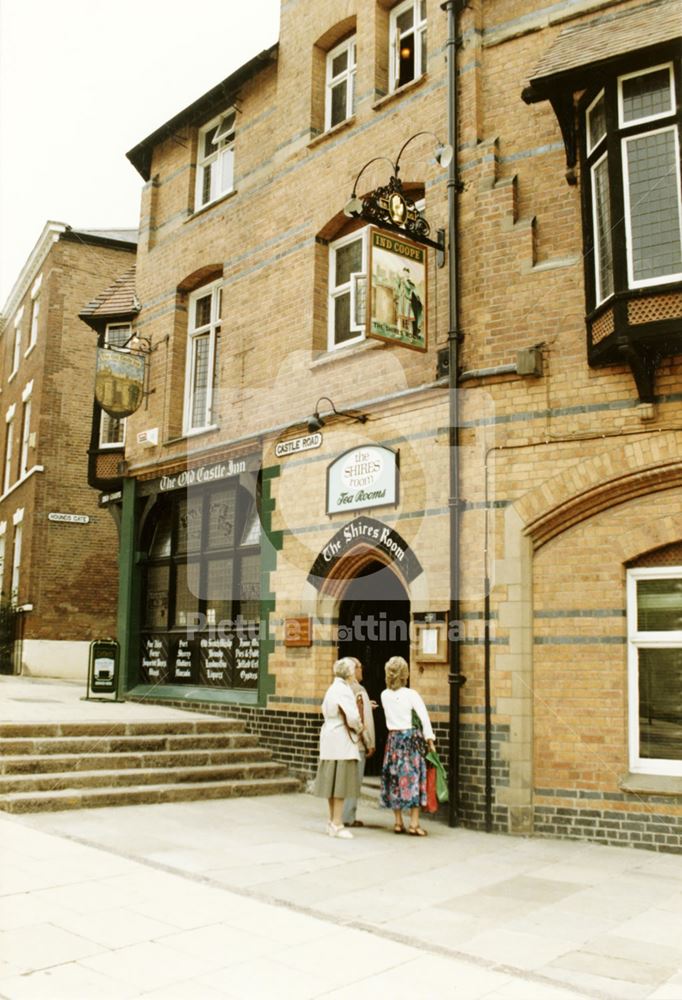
(215, 167)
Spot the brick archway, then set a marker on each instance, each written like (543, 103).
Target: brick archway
(627, 471)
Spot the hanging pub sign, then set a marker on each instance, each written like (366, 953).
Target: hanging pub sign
(362, 477)
(396, 308)
(119, 381)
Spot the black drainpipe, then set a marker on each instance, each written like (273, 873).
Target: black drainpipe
(455, 677)
(486, 653)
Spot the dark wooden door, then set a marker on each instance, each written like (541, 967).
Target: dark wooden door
(374, 622)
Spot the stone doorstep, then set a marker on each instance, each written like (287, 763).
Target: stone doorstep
(116, 778)
(114, 744)
(147, 794)
(46, 764)
(168, 727)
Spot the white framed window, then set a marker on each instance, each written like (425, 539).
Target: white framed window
(653, 207)
(340, 84)
(16, 351)
(111, 430)
(215, 159)
(35, 312)
(9, 443)
(635, 188)
(203, 341)
(347, 290)
(407, 33)
(603, 233)
(646, 96)
(655, 669)
(25, 429)
(18, 522)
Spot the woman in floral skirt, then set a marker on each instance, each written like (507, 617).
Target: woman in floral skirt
(403, 775)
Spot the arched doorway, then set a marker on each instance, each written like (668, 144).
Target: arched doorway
(374, 624)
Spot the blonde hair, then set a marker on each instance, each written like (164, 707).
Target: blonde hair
(397, 672)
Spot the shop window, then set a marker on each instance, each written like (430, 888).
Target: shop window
(215, 159)
(202, 585)
(347, 289)
(655, 669)
(202, 355)
(111, 430)
(407, 33)
(340, 83)
(632, 160)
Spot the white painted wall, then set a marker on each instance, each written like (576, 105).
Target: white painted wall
(52, 658)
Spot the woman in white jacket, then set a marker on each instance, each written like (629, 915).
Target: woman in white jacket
(403, 775)
(337, 773)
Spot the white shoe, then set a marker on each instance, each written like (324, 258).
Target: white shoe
(339, 831)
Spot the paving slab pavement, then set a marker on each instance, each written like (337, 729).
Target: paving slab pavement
(37, 699)
(248, 898)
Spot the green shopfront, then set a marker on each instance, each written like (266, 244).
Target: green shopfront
(194, 603)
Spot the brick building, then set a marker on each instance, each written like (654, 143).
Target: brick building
(57, 546)
(292, 463)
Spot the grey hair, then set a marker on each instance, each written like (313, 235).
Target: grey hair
(345, 667)
(397, 672)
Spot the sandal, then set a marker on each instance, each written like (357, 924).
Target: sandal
(416, 831)
(399, 828)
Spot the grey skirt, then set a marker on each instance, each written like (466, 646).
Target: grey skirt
(337, 779)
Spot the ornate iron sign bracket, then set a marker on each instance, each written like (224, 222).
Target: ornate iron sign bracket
(391, 208)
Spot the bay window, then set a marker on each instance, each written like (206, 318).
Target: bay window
(112, 430)
(632, 151)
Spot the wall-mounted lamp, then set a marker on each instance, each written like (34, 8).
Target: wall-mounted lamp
(138, 345)
(316, 422)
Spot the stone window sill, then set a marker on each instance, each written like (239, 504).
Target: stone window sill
(397, 94)
(211, 204)
(651, 784)
(330, 132)
(329, 357)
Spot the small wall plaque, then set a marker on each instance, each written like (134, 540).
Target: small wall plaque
(298, 631)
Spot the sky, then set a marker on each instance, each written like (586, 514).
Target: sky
(82, 82)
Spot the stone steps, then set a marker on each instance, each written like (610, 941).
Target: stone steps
(69, 798)
(59, 781)
(35, 729)
(81, 765)
(46, 763)
(112, 743)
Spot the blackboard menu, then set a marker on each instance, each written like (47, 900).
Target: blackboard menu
(154, 664)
